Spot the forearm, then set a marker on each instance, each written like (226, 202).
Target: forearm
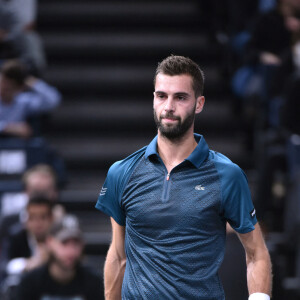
(113, 275)
(259, 273)
(20, 129)
(44, 98)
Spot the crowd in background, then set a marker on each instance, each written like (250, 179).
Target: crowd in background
(261, 41)
(262, 60)
(41, 245)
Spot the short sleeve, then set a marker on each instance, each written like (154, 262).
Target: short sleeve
(109, 200)
(237, 206)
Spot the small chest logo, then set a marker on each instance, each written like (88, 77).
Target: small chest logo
(199, 187)
(103, 191)
(252, 213)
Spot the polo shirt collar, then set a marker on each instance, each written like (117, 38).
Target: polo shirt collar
(197, 157)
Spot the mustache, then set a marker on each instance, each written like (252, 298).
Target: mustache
(169, 116)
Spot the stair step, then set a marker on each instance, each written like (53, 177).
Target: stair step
(116, 79)
(100, 46)
(91, 13)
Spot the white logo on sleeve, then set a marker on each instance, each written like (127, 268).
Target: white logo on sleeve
(103, 191)
(199, 187)
(253, 212)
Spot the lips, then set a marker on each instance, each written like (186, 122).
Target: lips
(169, 118)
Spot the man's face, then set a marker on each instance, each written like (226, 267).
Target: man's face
(175, 105)
(39, 220)
(8, 89)
(66, 254)
(41, 183)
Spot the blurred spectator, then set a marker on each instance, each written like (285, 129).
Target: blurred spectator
(27, 248)
(9, 31)
(272, 37)
(41, 179)
(38, 180)
(63, 277)
(273, 34)
(21, 97)
(27, 43)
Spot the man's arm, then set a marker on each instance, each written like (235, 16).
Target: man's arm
(115, 263)
(43, 97)
(259, 268)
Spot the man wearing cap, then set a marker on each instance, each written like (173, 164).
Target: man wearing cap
(63, 277)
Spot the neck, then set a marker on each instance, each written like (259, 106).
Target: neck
(60, 274)
(173, 152)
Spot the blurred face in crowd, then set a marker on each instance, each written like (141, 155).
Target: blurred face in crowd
(41, 183)
(291, 12)
(65, 254)
(8, 89)
(39, 220)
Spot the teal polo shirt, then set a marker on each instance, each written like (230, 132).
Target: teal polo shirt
(175, 224)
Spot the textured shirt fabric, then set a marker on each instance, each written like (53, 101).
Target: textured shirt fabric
(40, 98)
(175, 224)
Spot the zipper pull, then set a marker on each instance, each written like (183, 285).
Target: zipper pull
(168, 176)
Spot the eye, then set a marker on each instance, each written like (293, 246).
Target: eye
(160, 96)
(181, 97)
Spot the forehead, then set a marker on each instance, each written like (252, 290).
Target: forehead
(38, 209)
(174, 84)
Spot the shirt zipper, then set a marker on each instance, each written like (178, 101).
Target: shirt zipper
(166, 188)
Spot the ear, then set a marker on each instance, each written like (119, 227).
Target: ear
(200, 104)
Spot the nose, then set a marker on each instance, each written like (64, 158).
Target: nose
(169, 106)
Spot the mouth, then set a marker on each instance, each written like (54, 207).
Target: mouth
(169, 118)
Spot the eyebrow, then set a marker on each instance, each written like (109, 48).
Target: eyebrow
(176, 94)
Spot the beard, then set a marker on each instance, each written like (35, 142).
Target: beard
(174, 131)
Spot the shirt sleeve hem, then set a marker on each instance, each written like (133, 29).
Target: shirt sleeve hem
(246, 229)
(110, 213)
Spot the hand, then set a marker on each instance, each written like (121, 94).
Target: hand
(22, 130)
(41, 257)
(30, 81)
(269, 58)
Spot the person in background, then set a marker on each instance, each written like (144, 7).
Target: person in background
(21, 97)
(28, 43)
(9, 32)
(27, 248)
(63, 276)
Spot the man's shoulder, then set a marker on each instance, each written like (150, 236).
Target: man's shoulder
(36, 275)
(122, 166)
(224, 165)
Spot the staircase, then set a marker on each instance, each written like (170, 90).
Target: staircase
(102, 56)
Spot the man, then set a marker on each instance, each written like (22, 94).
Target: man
(27, 247)
(39, 180)
(169, 203)
(22, 96)
(63, 277)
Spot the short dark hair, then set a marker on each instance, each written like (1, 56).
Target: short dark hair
(14, 70)
(179, 65)
(40, 200)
